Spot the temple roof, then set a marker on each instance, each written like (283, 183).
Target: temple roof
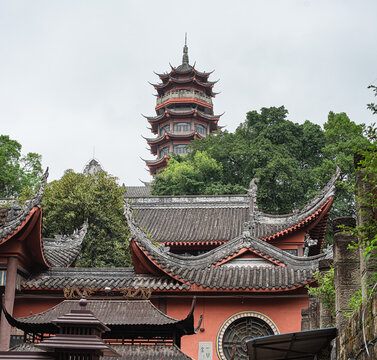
(63, 250)
(180, 218)
(280, 272)
(138, 191)
(98, 278)
(195, 219)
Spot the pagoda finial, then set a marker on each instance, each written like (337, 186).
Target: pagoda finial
(185, 58)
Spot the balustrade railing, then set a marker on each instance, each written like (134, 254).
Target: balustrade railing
(184, 94)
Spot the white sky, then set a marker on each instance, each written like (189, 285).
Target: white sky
(74, 74)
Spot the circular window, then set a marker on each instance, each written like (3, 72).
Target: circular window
(240, 328)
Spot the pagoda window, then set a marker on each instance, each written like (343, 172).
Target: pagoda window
(164, 151)
(202, 130)
(165, 129)
(182, 127)
(181, 149)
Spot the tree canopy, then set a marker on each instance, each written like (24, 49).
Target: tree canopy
(292, 161)
(98, 199)
(17, 173)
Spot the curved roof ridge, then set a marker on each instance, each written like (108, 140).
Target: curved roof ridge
(62, 250)
(20, 214)
(311, 207)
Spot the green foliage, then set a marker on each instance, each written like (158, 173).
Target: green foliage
(372, 106)
(325, 290)
(343, 138)
(75, 198)
(193, 174)
(17, 172)
(293, 161)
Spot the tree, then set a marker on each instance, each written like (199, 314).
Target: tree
(17, 173)
(343, 138)
(195, 174)
(293, 161)
(267, 146)
(75, 198)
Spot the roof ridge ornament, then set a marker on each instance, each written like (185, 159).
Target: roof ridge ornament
(252, 191)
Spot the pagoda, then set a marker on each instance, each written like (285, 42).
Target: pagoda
(184, 111)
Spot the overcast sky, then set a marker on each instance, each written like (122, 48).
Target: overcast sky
(74, 74)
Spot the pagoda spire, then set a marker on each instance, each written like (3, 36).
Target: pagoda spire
(185, 58)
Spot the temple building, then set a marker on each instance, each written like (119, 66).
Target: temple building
(184, 111)
(247, 270)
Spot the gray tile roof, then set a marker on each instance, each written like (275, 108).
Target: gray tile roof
(137, 191)
(109, 312)
(149, 352)
(192, 218)
(16, 215)
(285, 272)
(129, 352)
(115, 278)
(62, 250)
(222, 218)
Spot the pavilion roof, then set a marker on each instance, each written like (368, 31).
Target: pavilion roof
(124, 318)
(109, 312)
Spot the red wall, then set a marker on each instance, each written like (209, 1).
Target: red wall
(284, 311)
(25, 306)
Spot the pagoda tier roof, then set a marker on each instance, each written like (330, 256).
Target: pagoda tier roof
(98, 278)
(183, 112)
(129, 352)
(157, 162)
(183, 70)
(172, 136)
(193, 79)
(279, 272)
(161, 88)
(177, 220)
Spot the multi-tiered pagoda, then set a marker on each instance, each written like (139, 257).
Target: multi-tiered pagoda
(184, 112)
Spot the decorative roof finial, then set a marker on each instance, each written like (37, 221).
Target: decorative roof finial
(185, 58)
(83, 302)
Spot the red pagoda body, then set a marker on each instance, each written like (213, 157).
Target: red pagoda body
(184, 112)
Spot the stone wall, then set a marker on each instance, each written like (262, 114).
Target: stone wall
(351, 339)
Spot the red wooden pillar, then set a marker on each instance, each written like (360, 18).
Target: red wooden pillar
(10, 290)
